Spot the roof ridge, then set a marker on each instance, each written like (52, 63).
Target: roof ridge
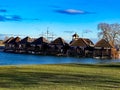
(85, 42)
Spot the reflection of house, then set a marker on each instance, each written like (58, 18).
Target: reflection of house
(103, 49)
(82, 47)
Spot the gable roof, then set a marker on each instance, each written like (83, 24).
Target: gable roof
(40, 40)
(8, 40)
(83, 42)
(14, 40)
(103, 43)
(59, 41)
(79, 42)
(26, 40)
(88, 41)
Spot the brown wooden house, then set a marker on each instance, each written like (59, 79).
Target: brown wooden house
(40, 45)
(58, 46)
(12, 44)
(82, 47)
(7, 45)
(103, 49)
(24, 44)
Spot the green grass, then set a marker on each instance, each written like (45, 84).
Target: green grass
(60, 77)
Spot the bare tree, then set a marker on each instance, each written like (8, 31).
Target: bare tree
(109, 32)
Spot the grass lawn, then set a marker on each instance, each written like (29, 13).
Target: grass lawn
(60, 77)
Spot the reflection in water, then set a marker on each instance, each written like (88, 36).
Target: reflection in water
(13, 59)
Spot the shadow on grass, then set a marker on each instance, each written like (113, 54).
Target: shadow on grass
(30, 79)
(94, 65)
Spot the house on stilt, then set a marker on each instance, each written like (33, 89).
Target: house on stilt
(103, 49)
(24, 45)
(12, 44)
(81, 47)
(7, 45)
(39, 46)
(59, 46)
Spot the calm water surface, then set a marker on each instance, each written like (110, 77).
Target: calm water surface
(16, 59)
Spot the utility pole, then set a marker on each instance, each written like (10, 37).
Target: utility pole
(48, 35)
(47, 32)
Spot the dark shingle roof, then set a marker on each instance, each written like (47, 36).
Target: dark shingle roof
(59, 41)
(40, 40)
(103, 43)
(79, 42)
(15, 40)
(89, 42)
(8, 40)
(82, 42)
(26, 40)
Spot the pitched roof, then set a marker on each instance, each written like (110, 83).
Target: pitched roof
(83, 42)
(40, 40)
(103, 43)
(89, 42)
(8, 40)
(59, 41)
(15, 40)
(80, 42)
(75, 35)
(26, 40)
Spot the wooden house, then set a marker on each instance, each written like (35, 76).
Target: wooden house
(40, 45)
(24, 44)
(59, 46)
(103, 49)
(82, 47)
(7, 45)
(14, 44)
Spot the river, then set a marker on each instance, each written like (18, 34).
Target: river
(25, 59)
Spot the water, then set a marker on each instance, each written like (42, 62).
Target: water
(18, 59)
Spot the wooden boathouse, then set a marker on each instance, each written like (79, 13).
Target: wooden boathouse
(103, 49)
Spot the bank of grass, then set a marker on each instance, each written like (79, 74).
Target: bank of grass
(60, 77)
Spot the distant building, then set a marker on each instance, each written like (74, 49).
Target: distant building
(82, 47)
(1, 42)
(103, 49)
(7, 45)
(39, 45)
(79, 47)
(12, 44)
(24, 44)
(58, 46)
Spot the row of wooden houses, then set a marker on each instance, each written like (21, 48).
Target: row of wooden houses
(80, 47)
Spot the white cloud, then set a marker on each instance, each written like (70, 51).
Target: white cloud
(74, 11)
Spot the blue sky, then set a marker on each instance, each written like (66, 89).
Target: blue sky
(63, 17)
